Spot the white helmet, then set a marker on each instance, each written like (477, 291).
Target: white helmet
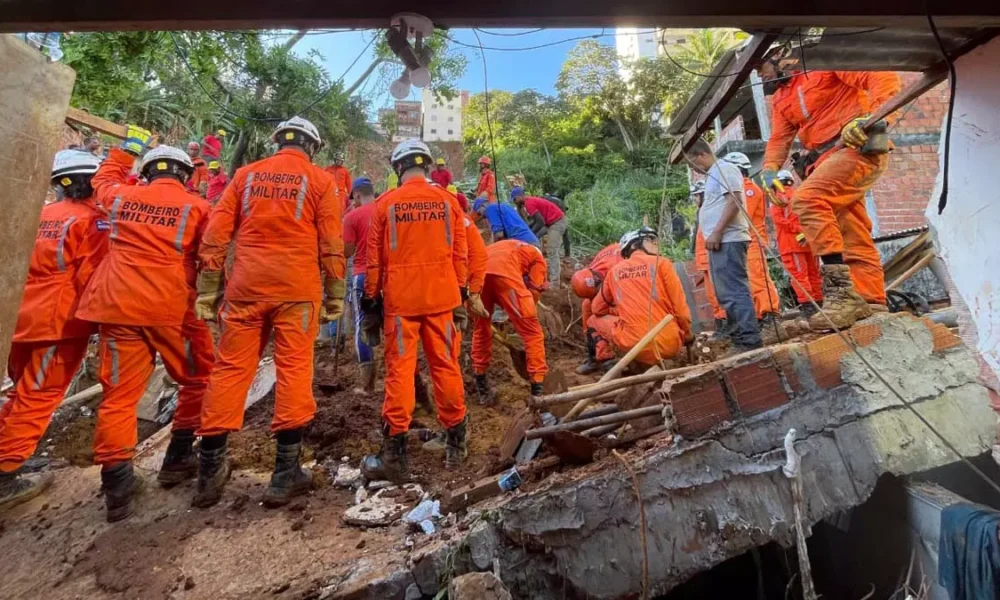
(697, 187)
(416, 151)
(785, 176)
(297, 124)
(739, 159)
(167, 160)
(631, 240)
(73, 162)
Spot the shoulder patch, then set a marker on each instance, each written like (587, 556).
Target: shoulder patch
(467, 221)
(748, 192)
(102, 225)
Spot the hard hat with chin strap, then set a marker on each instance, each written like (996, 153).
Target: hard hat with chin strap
(74, 162)
(295, 124)
(631, 240)
(739, 159)
(408, 154)
(166, 160)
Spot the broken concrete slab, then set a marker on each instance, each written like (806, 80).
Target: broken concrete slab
(477, 586)
(384, 506)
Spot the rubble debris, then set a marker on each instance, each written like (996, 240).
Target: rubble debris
(347, 476)
(424, 514)
(477, 586)
(384, 507)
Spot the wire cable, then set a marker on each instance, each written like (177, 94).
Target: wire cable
(953, 75)
(518, 34)
(594, 36)
(489, 129)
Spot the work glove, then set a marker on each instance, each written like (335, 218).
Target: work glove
(334, 291)
(476, 306)
(769, 177)
(136, 139)
(371, 321)
(460, 317)
(210, 290)
(853, 134)
(801, 239)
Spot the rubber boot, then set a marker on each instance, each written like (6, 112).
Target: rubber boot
(721, 330)
(180, 463)
(772, 330)
(590, 365)
(17, 489)
(841, 302)
(367, 384)
(487, 397)
(807, 309)
(390, 463)
(213, 470)
(537, 389)
(437, 443)
(456, 445)
(120, 486)
(289, 478)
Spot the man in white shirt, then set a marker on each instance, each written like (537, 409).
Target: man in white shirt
(723, 222)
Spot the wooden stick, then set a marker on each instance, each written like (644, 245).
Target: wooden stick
(336, 348)
(923, 262)
(597, 390)
(665, 375)
(91, 392)
(620, 417)
(635, 437)
(602, 430)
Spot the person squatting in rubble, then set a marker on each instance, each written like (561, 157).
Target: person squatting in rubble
(284, 217)
(416, 276)
(142, 296)
(586, 284)
(820, 109)
(638, 293)
(515, 279)
(50, 342)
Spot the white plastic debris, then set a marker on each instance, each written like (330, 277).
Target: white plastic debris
(378, 484)
(423, 515)
(361, 495)
(347, 477)
(85, 411)
(344, 459)
(791, 468)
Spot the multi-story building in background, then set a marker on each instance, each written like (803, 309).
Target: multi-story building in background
(407, 120)
(633, 43)
(443, 117)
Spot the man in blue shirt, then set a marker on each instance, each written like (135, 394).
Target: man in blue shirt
(505, 222)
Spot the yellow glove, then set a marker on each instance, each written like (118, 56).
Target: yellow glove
(334, 291)
(210, 291)
(801, 239)
(476, 306)
(853, 134)
(136, 139)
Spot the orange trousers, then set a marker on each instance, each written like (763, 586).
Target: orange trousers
(604, 349)
(717, 311)
(762, 290)
(515, 299)
(830, 205)
(41, 371)
(128, 357)
(246, 329)
(442, 343)
(666, 344)
(803, 271)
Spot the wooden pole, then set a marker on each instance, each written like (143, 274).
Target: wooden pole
(622, 364)
(591, 393)
(923, 262)
(582, 424)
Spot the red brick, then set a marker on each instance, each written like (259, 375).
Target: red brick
(699, 404)
(826, 352)
(756, 387)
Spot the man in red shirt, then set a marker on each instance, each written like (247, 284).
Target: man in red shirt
(441, 175)
(356, 245)
(555, 224)
(217, 182)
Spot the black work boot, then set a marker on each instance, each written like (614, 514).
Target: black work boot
(289, 478)
(808, 309)
(17, 489)
(180, 462)
(721, 329)
(537, 389)
(590, 365)
(772, 330)
(456, 445)
(390, 463)
(487, 396)
(213, 470)
(120, 485)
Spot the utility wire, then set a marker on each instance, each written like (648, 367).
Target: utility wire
(953, 83)
(489, 128)
(594, 36)
(518, 34)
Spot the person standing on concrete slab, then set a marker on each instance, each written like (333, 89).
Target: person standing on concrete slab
(49, 343)
(722, 221)
(555, 222)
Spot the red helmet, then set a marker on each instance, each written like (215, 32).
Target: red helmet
(485, 160)
(585, 283)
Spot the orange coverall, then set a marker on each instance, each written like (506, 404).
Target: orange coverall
(701, 264)
(608, 257)
(800, 262)
(830, 203)
(477, 255)
(142, 295)
(515, 278)
(637, 294)
(284, 218)
(762, 289)
(487, 185)
(200, 177)
(49, 342)
(342, 177)
(418, 259)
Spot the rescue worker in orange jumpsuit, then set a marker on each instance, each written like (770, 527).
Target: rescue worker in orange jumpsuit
(822, 108)
(342, 177)
(637, 294)
(697, 191)
(417, 273)
(49, 342)
(766, 301)
(198, 182)
(586, 284)
(802, 266)
(284, 218)
(487, 180)
(142, 296)
(515, 279)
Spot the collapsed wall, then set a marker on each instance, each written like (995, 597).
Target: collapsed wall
(720, 490)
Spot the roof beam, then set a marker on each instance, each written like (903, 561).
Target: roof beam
(747, 60)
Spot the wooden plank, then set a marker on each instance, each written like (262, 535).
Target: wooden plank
(747, 61)
(82, 117)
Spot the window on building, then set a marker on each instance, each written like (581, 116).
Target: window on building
(434, 117)
(680, 41)
(451, 119)
(434, 105)
(434, 130)
(451, 107)
(451, 132)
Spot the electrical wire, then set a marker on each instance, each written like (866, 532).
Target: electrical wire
(518, 34)
(595, 36)
(855, 349)
(489, 129)
(953, 75)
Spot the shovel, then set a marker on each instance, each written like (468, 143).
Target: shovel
(515, 346)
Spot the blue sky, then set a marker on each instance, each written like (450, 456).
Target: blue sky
(511, 71)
